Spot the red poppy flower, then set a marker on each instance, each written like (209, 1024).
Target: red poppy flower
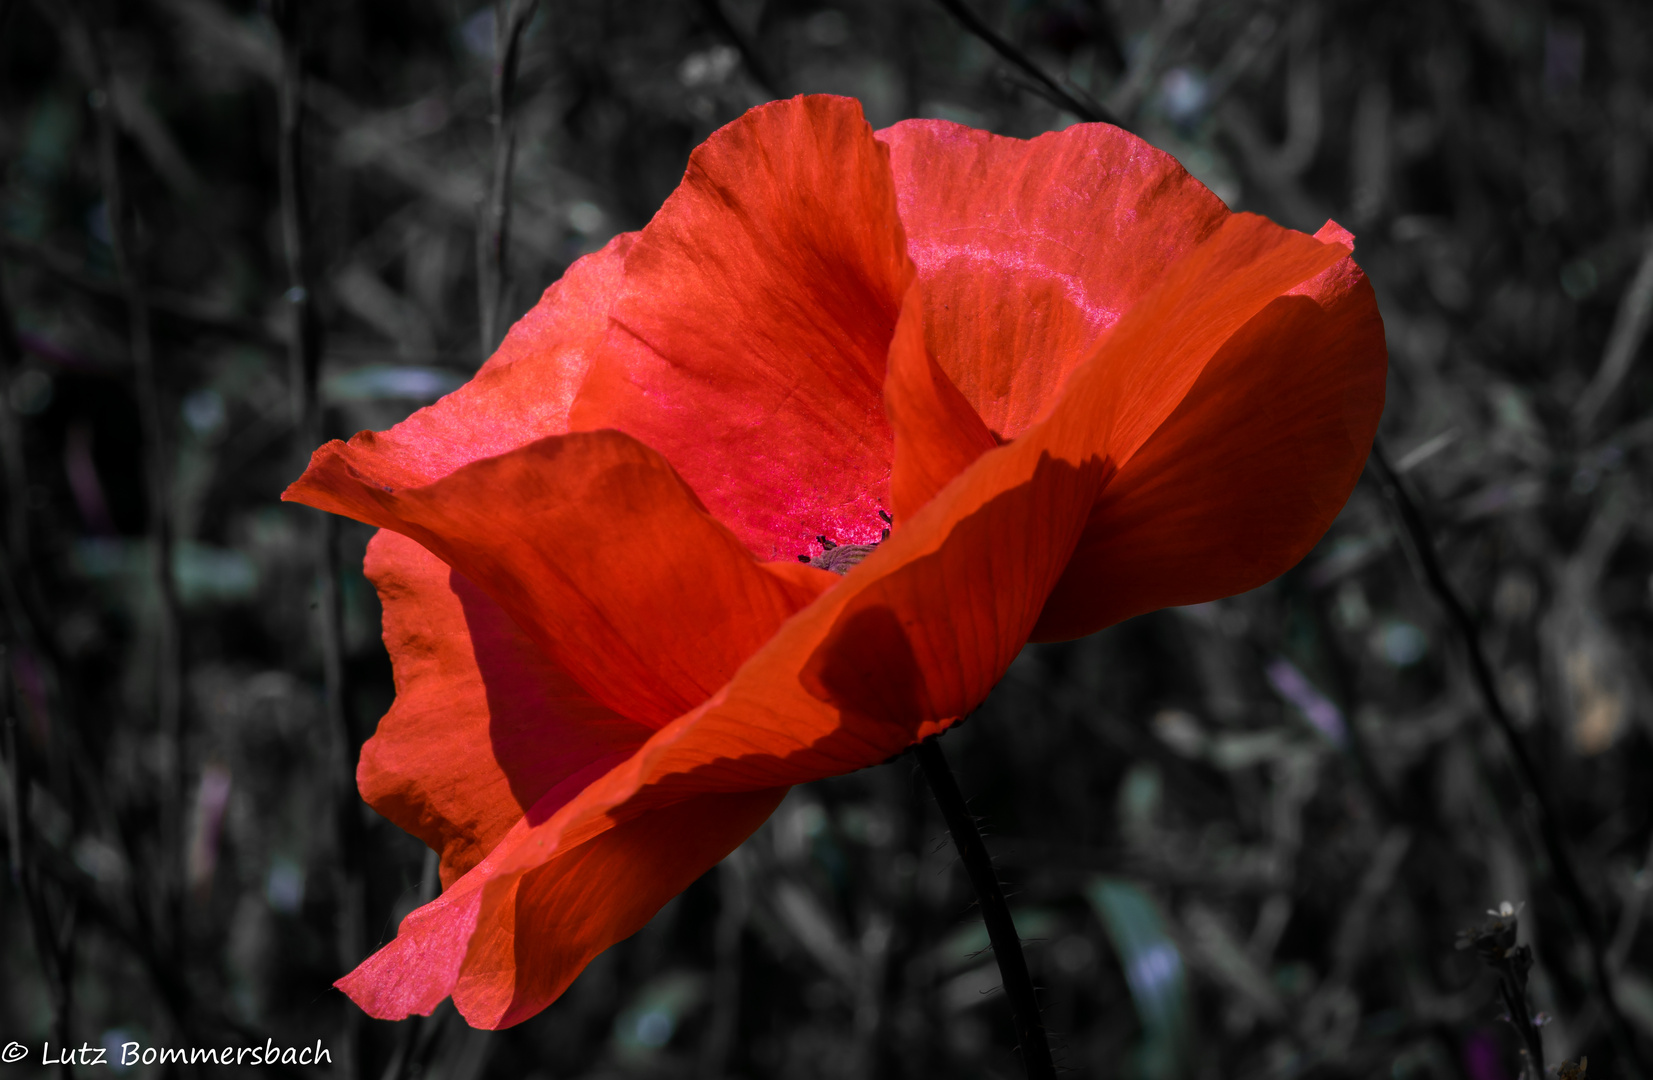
(1079, 386)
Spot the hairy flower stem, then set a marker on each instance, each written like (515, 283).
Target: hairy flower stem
(1513, 991)
(1549, 823)
(1001, 931)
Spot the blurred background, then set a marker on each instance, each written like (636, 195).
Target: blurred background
(1240, 838)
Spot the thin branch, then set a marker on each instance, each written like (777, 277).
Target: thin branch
(1630, 916)
(1560, 857)
(1630, 326)
(995, 913)
(27, 626)
(510, 20)
(1344, 695)
(304, 355)
(409, 1031)
(1039, 90)
(194, 315)
(1082, 107)
(735, 905)
(12, 466)
(304, 327)
(168, 630)
(748, 52)
(1147, 51)
(53, 943)
(192, 1017)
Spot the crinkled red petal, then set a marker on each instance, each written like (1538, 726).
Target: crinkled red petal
(596, 549)
(521, 394)
(749, 346)
(1247, 474)
(483, 724)
(1030, 251)
(911, 639)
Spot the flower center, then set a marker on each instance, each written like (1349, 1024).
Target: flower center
(840, 558)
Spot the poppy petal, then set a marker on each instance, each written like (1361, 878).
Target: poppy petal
(801, 707)
(921, 630)
(507, 946)
(639, 834)
(749, 347)
(1241, 481)
(483, 724)
(1030, 250)
(911, 639)
(521, 394)
(937, 433)
(584, 539)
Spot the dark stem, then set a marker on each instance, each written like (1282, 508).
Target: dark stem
(1549, 825)
(1513, 987)
(1001, 931)
(304, 326)
(510, 20)
(304, 356)
(168, 630)
(1049, 87)
(1344, 694)
(15, 473)
(53, 943)
(735, 900)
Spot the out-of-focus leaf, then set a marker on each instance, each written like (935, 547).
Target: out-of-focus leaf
(204, 574)
(1503, 497)
(1245, 749)
(1345, 555)
(387, 382)
(645, 1026)
(1316, 707)
(1586, 662)
(1634, 993)
(284, 885)
(100, 859)
(1181, 731)
(1153, 970)
(1594, 682)
(815, 929)
(368, 298)
(1140, 795)
(1425, 450)
(1222, 956)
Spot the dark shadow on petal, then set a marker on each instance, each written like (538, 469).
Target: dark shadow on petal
(545, 729)
(867, 664)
